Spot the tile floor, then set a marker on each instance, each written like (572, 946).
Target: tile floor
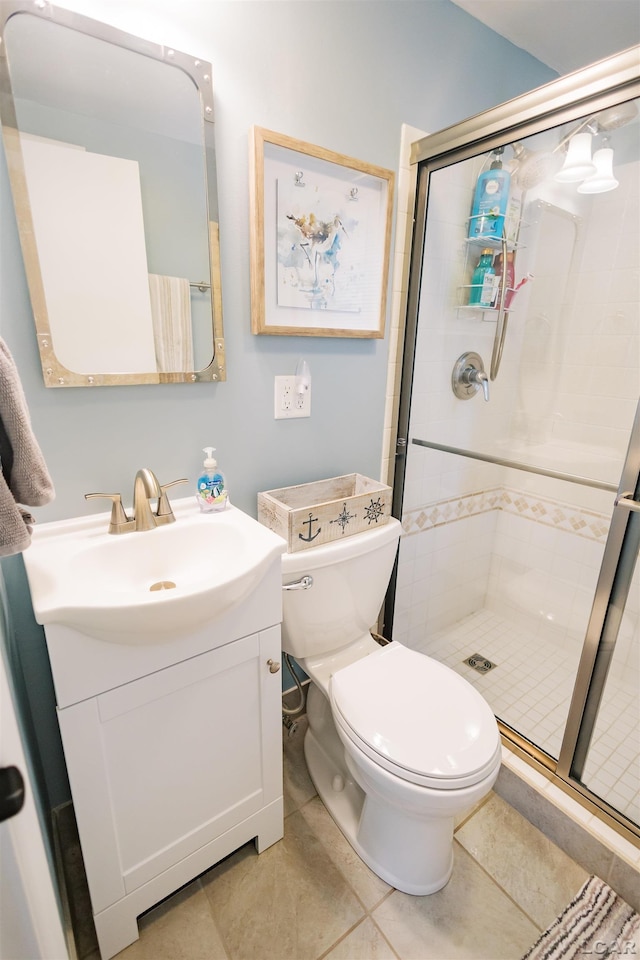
(309, 897)
(530, 689)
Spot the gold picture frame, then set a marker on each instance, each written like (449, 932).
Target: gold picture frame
(320, 240)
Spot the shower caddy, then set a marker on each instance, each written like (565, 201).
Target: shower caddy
(500, 312)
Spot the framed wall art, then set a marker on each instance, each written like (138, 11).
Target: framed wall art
(320, 239)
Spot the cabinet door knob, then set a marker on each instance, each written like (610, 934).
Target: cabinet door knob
(273, 665)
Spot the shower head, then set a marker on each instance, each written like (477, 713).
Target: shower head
(618, 116)
(533, 166)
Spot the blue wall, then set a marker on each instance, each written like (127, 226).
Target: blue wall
(344, 75)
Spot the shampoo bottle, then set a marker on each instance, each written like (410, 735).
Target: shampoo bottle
(483, 281)
(490, 200)
(211, 492)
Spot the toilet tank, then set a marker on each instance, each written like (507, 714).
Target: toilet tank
(350, 579)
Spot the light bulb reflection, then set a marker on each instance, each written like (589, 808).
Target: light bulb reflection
(603, 179)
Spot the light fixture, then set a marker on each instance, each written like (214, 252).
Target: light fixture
(603, 179)
(303, 377)
(578, 164)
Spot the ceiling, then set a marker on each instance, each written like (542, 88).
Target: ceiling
(563, 34)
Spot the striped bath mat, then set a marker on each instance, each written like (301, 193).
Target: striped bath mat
(597, 923)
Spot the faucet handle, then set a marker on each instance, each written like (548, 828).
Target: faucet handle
(119, 521)
(480, 377)
(468, 375)
(165, 513)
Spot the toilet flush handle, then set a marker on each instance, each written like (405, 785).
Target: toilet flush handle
(302, 584)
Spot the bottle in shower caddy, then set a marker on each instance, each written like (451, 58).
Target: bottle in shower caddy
(505, 275)
(211, 492)
(490, 200)
(483, 281)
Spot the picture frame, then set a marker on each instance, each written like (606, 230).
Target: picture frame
(320, 240)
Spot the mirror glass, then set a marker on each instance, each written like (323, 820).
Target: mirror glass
(109, 142)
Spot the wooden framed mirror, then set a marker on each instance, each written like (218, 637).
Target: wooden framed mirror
(110, 148)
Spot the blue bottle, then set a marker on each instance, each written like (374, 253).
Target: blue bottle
(490, 201)
(211, 492)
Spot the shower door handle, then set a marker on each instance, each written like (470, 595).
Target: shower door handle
(626, 500)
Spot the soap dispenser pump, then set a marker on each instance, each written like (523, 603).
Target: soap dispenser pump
(211, 492)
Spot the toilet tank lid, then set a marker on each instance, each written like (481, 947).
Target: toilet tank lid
(417, 713)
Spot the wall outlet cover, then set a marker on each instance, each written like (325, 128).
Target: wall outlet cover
(288, 403)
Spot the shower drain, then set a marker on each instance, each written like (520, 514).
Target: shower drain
(480, 663)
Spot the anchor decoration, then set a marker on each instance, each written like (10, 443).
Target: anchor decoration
(308, 523)
(374, 511)
(344, 517)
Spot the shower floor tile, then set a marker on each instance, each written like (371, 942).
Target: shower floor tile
(530, 689)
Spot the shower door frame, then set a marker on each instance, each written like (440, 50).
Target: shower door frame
(568, 99)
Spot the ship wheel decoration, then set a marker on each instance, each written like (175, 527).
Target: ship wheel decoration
(374, 511)
(344, 517)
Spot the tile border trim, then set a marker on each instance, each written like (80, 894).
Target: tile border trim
(543, 510)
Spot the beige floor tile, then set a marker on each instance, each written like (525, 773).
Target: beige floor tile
(368, 887)
(364, 943)
(469, 919)
(536, 873)
(298, 787)
(289, 903)
(180, 928)
(464, 816)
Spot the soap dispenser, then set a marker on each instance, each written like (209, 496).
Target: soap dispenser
(211, 490)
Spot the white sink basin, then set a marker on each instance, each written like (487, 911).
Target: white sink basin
(147, 587)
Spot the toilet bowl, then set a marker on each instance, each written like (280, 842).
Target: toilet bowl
(398, 745)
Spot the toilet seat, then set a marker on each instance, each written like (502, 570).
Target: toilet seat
(416, 718)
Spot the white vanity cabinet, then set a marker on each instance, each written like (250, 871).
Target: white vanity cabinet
(180, 765)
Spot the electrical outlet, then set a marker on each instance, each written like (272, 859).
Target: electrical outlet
(288, 403)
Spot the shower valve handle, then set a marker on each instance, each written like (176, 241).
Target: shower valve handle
(469, 374)
(479, 377)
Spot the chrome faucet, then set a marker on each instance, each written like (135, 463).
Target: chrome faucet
(145, 489)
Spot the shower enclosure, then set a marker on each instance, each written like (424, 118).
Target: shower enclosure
(518, 457)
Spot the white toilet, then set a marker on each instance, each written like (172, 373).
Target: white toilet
(398, 745)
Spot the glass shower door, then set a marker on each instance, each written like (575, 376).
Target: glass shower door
(514, 424)
(507, 500)
(601, 747)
